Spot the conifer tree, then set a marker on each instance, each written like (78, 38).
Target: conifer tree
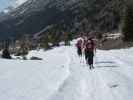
(128, 24)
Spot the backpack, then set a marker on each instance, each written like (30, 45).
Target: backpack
(79, 43)
(89, 45)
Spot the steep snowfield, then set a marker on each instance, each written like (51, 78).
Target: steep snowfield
(62, 76)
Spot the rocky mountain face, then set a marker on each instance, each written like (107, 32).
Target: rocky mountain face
(41, 16)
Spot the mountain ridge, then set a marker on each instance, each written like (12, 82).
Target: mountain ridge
(69, 15)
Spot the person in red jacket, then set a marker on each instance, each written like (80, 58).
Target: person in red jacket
(79, 46)
(90, 48)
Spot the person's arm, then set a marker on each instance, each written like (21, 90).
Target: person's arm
(95, 46)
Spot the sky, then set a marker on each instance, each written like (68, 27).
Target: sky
(6, 3)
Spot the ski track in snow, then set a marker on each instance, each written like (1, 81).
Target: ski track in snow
(63, 76)
(105, 82)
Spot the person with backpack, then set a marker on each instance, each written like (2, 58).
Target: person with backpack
(90, 48)
(79, 46)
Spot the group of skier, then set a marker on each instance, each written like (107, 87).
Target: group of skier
(86, 47)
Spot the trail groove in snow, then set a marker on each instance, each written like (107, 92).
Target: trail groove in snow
(105, 82)
(62, 76)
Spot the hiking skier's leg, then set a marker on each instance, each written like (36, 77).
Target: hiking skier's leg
(79, 51)
(86, 57)
(90, 59)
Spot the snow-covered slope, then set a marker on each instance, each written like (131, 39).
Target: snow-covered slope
(61, 76)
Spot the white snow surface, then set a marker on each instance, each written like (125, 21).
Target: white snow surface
(62, 76)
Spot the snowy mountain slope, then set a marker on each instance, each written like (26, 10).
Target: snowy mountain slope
(61, 76)
(67, 15)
